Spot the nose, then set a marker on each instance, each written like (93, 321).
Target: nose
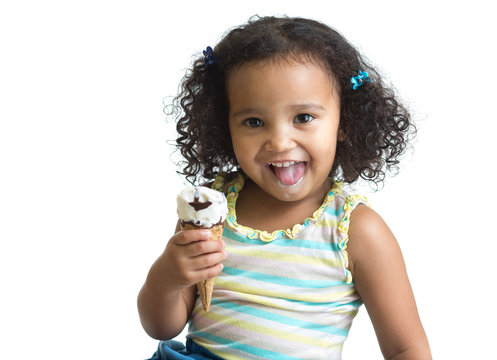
(280, 138)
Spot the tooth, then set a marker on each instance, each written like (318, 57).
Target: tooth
(283, 164)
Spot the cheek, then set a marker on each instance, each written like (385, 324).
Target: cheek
(324, 149)
(241, 147)
(234, 139)
(235, 142)
(325, 154)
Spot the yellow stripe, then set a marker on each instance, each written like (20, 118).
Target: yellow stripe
(245, 325)
(239, 287)
(263, 300)
(331, 223)
(280, 256)
(223, 354)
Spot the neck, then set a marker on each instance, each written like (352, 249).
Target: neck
(258, 210)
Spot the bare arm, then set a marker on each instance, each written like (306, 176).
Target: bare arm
(381, 280)
(166, 300)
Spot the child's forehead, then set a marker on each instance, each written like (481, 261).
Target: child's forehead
(279, 84)
(282, 62)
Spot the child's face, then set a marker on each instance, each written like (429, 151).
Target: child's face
(283, 122)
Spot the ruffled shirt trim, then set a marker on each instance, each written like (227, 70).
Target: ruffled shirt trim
(232, 192)
(343, 226)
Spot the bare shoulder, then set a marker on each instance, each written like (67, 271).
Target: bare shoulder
(364, 220)
(368, 234)
(375, 257)
(380, 278)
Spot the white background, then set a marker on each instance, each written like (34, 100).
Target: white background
(87, 187)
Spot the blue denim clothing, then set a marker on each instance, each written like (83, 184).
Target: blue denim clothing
(175, 350)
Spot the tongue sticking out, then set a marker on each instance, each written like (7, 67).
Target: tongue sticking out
(290, 175)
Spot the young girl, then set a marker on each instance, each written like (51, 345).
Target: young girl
(278, 116)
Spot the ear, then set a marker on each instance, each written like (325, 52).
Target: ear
(342, 135)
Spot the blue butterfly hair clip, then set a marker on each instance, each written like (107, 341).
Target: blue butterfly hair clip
(209, 57)
(359, 79)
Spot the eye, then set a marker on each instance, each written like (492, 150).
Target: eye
(303, 118)
(253, 122)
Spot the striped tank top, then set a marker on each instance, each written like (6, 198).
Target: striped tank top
(281, 295)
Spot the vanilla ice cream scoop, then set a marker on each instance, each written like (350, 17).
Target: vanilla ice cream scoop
(202, 206)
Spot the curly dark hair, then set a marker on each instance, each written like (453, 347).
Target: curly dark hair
(377, 127)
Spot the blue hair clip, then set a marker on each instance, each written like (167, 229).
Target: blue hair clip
(209, 57)
(359, 79)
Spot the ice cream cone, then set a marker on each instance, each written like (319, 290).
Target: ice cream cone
(203, 208)
(205, 287)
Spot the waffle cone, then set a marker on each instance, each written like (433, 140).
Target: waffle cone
(205, 287)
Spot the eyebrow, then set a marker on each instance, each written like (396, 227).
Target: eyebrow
(311, 106)
(307, 106)
(244, 112)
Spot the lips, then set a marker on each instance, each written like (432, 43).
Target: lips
(289, 173)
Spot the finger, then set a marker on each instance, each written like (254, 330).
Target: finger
(209, 272)
(207, 261)
(204, 247)
(186, 237)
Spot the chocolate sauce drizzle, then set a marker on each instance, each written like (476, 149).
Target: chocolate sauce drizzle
(199, 223)
(197, 204)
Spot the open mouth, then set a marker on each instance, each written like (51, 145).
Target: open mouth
(288, 173)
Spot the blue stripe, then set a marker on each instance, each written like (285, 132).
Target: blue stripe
(328, 329)
(284, 242)
(301, 283)
(267, 354)
(332, 304)
(334, 212)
